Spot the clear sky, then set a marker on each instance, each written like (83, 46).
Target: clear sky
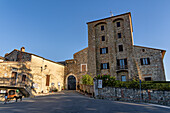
(55, 29)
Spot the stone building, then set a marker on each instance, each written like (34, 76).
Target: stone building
(110, 51)
(31, 71)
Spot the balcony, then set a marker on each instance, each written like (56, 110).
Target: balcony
(122, 67)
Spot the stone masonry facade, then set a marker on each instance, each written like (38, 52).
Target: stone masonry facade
(110, 51)
(35, 73)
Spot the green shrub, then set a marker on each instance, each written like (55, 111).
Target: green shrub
(87, 79)
(107, 80)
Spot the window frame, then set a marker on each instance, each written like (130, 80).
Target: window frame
(102, 28)
(104, 65)
(118, 24)
(119, 35)
(103, 38)
(104, 50)
(122, 63)
(122, 78)
(120, 48)
(145, 61)
(81, 69)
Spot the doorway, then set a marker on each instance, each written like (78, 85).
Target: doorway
(71, 82)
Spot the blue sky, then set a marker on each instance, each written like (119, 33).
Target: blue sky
(55, 29)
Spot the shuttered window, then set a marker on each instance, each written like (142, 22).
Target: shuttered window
(104, 50)
(83, 67)
(104, 65)
(122, 64)
(145, 61)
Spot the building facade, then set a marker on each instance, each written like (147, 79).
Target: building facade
(35, 73)
(110, 51)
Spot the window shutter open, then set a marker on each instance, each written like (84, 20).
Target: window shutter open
(125, 61)
(107, 65)
(118, 62)
(148, 61)
(101, 66)
(106, 49)
(100, 50)
(141, 60)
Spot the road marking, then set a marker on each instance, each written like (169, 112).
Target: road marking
(159, 106)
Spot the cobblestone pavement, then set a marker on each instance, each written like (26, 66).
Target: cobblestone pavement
(73, 102)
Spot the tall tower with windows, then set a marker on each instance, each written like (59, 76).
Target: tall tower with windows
(110, 47)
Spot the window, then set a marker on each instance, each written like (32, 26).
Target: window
(24, 78)
(145, 61)
(147, 78)
(104, 65)
(13, 77)
(118, 24)
(104, 50)
(102, 28)
(119, 35)
(83, 67)
(47, 80)
(143, 50)
(120, 48)
(103, 38)
(121, 63)
(123, 78)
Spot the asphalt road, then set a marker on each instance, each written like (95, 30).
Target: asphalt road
(73, 102)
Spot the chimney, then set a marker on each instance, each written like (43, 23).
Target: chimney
(6, 54)
(22, 49)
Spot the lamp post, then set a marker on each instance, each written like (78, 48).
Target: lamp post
(140, 90)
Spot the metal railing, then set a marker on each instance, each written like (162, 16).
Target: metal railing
(122, 67)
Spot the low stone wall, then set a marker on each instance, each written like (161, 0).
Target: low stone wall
(133, 95)
(87, 89)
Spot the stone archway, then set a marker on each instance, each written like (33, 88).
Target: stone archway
(71, 82)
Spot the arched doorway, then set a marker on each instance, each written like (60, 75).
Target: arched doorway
(71, 82)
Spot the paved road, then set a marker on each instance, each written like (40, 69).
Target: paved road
(73, 102)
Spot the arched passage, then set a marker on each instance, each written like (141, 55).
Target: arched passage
(71, 82)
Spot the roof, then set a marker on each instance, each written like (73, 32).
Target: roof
(81, 50)
(162, 51)
(2, 58)
(128, 13)
(36, 56)
(62, 62)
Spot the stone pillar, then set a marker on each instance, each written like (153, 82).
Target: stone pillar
(96, 93)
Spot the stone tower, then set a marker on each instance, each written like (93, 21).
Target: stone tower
(110, 44)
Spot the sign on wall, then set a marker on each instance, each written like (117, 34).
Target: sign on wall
(35, 85)
(99, 83)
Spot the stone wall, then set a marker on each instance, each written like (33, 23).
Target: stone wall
(21, 68)
(73, 66)
(112, 42)
(17, 55)
(40, 68)
(133, 95)
(156, 68)
(87, 89)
